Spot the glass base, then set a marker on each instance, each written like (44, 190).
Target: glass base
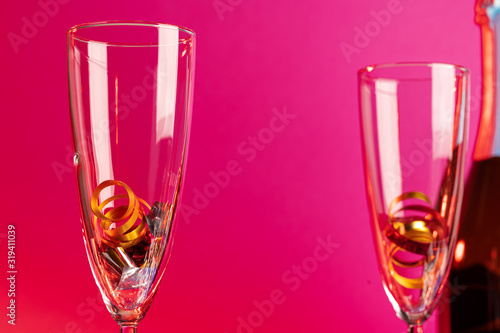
(128, 329)
(413, 329)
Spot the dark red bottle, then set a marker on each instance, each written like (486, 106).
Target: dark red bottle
(471, 301)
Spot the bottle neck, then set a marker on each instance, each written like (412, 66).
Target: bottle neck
(488, 138)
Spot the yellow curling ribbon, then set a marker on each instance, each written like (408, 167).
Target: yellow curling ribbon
(126, 233)
(412, 234)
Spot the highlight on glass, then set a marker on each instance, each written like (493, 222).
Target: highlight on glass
(414, 125)
(131, 92)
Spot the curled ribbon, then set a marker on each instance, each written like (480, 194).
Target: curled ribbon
(412, 233)
(125, 233)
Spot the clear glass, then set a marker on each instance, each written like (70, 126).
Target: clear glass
(131, 92)
(414, 120)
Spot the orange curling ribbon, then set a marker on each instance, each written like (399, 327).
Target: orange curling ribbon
(412, 235)
(126, 233)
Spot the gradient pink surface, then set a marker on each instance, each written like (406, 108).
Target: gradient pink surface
(276, 92)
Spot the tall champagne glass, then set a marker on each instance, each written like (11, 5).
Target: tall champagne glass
(131, 90)
(414, 120)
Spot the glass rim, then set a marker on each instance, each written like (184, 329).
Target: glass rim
(72, 32)
(364, 73)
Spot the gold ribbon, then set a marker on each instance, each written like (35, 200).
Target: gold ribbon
(126, 233)
(412, 234)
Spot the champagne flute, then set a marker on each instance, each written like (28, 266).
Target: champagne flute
(414, 124)
(131, 90)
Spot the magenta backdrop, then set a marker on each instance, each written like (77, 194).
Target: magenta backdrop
(283, 72)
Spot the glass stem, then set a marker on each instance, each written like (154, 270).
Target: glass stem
(128, 329)
(415, 329)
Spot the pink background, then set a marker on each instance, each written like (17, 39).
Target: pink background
(239, 247)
